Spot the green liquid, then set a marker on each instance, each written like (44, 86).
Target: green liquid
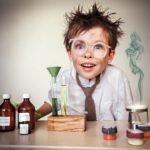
(54, 107)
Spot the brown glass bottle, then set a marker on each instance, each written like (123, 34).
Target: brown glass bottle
(26, 113)
(7, 114)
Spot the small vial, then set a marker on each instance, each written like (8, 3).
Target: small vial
(135, 136)
(24, 128)
(109, 133)
(145, 127)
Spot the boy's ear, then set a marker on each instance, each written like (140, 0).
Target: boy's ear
(111, 56)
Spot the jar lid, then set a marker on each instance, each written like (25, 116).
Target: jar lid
(26, 95)
(137, 108)
(144, 126)
(6, 96)
(109, 130)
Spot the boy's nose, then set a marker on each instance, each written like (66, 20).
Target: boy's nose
(88, 53)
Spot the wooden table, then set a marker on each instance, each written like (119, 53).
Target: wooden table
(91, 139)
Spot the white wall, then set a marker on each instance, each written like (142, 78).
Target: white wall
(31, 39)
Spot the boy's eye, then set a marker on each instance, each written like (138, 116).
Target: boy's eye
(79, 46)
(98, 47)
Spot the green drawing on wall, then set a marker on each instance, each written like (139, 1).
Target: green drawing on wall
(134, 52)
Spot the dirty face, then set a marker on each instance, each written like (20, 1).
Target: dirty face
(90, 52)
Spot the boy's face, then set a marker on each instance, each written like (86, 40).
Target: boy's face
(90, 52)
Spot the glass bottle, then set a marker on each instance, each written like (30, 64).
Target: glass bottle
(64, 92)
(7, 114)
(54, 97)
(26, 115)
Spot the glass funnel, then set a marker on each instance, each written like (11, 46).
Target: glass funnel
(54, 72)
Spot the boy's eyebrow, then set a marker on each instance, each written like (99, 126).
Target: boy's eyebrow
(80, 39)
(90, 43)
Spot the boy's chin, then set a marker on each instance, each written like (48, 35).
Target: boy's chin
(88, 76)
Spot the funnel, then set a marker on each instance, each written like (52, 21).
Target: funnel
(53, 70)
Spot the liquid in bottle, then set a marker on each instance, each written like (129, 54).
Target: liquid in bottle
(26, 115)
(7, 114)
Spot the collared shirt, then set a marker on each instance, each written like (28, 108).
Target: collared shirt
(111, 95)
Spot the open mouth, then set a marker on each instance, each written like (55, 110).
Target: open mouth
(88, 65)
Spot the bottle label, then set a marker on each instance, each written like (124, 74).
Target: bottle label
(24, 117)
(24, 128)
(4, 121)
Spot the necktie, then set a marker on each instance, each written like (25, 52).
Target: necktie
(89, 103)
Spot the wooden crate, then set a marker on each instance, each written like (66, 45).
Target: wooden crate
(75, 123)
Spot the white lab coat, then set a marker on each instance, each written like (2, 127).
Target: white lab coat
(111, 95)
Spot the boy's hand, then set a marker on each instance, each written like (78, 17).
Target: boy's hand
(38, 115)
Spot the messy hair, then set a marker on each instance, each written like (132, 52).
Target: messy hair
(79, 21)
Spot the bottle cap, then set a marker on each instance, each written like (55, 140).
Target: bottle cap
(6, 96)
(109, 130)
(26, 95)
(144, 126)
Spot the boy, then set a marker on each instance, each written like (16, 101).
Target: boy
(96, 88)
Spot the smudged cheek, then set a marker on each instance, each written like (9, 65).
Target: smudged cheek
(76, 61)
(101, 65)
